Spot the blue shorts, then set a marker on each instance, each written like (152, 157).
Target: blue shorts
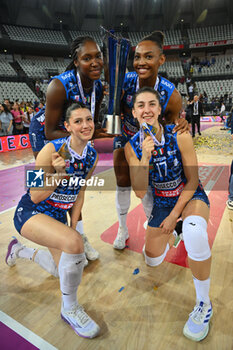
(159, 214)
(26, 209)
(36, 134)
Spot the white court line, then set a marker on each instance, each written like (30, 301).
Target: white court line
(25, 333)
(210, 184)
(5, 211)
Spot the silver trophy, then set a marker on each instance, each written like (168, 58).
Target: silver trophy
(116, 52)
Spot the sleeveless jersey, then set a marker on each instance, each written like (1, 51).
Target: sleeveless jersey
(64, 196)
(166, 174)
(69, 81)
(165, 89)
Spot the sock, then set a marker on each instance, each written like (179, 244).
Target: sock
(70, 271)
(178, 228)
(79, 227)
(26, 253)
(147, 202)
(45, 259)
(122, 204)
(202, 290)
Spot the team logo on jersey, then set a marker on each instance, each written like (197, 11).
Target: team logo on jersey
(129, 98)
(154, 153)
(77, 98)
(35, 178)
(75, 166)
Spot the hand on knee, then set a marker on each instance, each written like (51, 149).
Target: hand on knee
(196, 238)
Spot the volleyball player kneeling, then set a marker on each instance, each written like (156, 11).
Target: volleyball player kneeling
(167, 162)
(41, 213)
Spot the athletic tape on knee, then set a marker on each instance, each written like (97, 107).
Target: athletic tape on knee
(147, 202)
(123, 199)
(70, 271)
(45, 259)
(196, 238)
(158, 260)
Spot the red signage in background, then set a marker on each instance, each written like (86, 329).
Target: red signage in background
(14, 142)
(173, 47)
(167, 47)
(212, 43)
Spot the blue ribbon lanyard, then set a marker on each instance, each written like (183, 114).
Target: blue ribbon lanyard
(93, 97)
(73, 153)
(155, 87)
(148, 131)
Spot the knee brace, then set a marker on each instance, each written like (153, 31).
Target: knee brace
(155, 261)
(196, 238)
(147, 202)
(70, 271)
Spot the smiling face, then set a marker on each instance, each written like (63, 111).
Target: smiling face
(81, 124)
(89, 62)
(147, 59)
(147, 108)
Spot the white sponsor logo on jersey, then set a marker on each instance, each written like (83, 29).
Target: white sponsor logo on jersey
(63, 197)
(166, 83)
(167, 185)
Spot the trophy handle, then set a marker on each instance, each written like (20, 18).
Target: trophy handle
(113, 124)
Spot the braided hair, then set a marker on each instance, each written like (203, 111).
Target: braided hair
(76, 45)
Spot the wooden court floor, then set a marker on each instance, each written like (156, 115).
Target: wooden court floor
(151, 310)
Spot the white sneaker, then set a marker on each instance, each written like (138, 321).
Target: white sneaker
(197, 326)
(145, 224)
(91, 253)
(122, 236)
(85, 262)
(229, 204)
(12, 253)
(79, 320)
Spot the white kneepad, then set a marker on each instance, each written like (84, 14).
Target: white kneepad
(196, 238)
(155, 261)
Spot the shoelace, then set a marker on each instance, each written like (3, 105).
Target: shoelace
(81, 314)
(198, 313)
(121, 236)
(88, 247)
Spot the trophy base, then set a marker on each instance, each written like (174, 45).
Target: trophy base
(113, 124)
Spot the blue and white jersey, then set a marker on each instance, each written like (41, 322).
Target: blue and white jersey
(69, 81)
(166, 173)
(64, 196)
(165, 90)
